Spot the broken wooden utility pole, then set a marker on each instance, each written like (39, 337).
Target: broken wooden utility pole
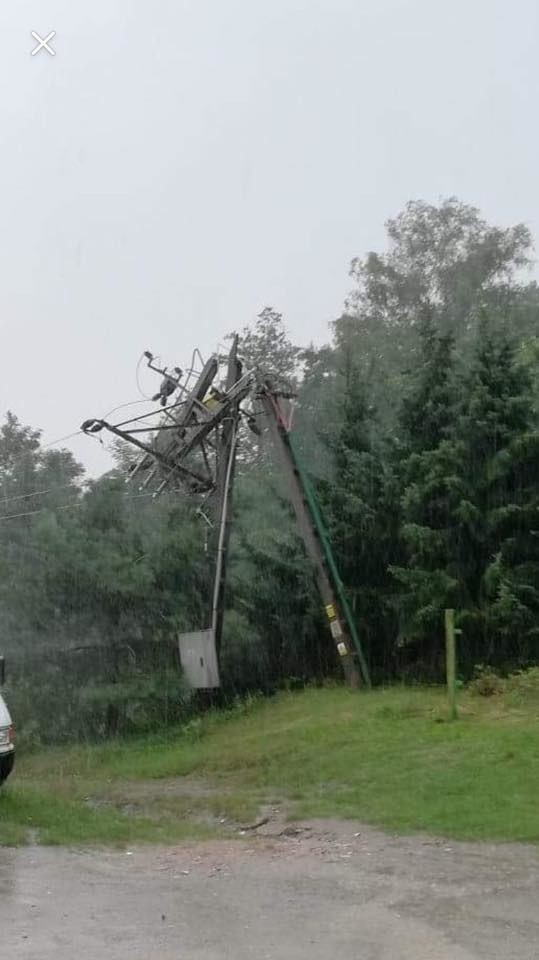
(192, 446)
(317, 546)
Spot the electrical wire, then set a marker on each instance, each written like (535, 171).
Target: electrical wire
(80, 433)
(70, 436)
(65, 486)
(24, 496)
(66, 506)
(137, 377)
(53, 443)
(34, 513)
(36, 493)
(45, 446)
(197, 353)
(122, 406)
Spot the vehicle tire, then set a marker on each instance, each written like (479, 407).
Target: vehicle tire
(6, 766)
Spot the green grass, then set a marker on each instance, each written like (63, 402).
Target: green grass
(30, 814)
(388, 758)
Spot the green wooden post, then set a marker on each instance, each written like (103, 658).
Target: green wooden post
(451, 663)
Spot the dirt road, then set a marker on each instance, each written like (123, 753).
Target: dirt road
(321, 892)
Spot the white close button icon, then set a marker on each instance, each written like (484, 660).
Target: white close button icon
(43, 43)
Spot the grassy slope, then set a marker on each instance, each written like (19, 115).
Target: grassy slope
(386, 757)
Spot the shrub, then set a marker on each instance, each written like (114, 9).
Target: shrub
(486, 682)
(524, 683)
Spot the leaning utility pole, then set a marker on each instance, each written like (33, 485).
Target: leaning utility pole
(317, 545)
(192, 446)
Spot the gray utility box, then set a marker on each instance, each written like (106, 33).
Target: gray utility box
(199, 659)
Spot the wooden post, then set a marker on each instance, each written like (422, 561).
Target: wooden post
(451, 663)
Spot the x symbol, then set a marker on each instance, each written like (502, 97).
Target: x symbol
(43, 44)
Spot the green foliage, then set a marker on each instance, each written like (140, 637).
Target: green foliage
(444, 256)
(417, 425)
(361, 517)
(486, 682)
(266, 347)
(431, 492)
(520, 687)
(34, 811)
(523, 685)
(63, 698)
(317, 413)
(92, 594)
(469, 503)
(274, 605)
(443, 260)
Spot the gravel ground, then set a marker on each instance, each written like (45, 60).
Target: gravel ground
(312, 891)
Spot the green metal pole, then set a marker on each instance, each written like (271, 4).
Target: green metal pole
(451, 663)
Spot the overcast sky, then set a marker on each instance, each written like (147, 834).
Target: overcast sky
(180, 164)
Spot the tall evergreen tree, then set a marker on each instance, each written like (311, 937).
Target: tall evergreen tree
(361, 518)
(428, 404)
(470, 505)
(430, 492)
(500, 459)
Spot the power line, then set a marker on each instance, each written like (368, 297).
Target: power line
(36, 493)
(46, 446)
(54, 489)
(65, 506)
(137, 378)
(33, 513)
(122, 406)
(69, 436)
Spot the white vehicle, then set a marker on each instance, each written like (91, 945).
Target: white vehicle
(7, 740)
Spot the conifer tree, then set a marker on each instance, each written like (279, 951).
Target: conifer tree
(361, 520)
